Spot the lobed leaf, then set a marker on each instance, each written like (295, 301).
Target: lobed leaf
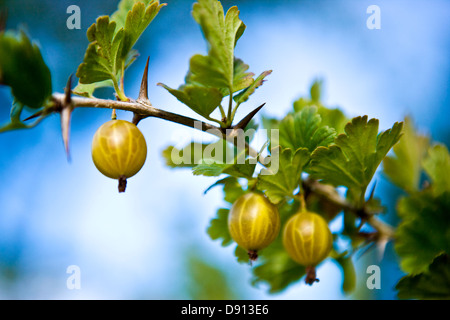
(110, 50)
(348, 273)
(282, 183)
(331, 117)
(219, 71)
(241, 78)
(434, 283)
(218, 228)
(221, 32)
(200, 99)
(304, 130)
(187, 157)
(137, 21)
(424, 231)
(316, 91)
(212, 168)
(276, 268)
(241, 255)
(245, 94)
(101, 56)
(232, 189)
(437, 167)
(203, 279)
(405, 168)
(192, 154)
(355, 156)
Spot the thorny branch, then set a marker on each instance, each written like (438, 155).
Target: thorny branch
(142, 108)
(384, 232)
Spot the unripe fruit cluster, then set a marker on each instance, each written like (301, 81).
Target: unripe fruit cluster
(254, 223)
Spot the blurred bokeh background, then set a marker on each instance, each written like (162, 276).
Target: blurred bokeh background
(151, 242)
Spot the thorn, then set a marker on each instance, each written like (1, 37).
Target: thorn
(68, 90)
(66, 112)
(54, 107)
(137, 118)
(244, 122)
(37, 114)
(381, 247)
(143, 91)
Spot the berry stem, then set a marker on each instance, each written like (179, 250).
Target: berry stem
(122, 183)
(253, 255)
(311, 275)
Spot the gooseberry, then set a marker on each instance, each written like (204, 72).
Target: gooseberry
(253, 222)
(308, 240)
(119, 150)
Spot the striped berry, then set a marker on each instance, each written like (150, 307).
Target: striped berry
(119, 150)
(253, 223)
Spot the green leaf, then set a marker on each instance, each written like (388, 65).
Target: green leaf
(232, 189)
(192, 154)
(87, 90)
(209, 168)
(241, 255)
(203, 74)
(355, 156)
(206, 74)
(437, 167)
(124, 6)
(270, 123)
(218, 74)
(242, 170)
(218, 228)
(331, 117)
(276, 268)
(424, 231)
(111, 40)
(245, 94)
(137, 20)
(212, 168)
(283, 176)
(304, 130)
(348, 272)
(433, 283)
(316, 90)
(24, 70)
(15, 122)
(200, 99)
(101, 56)
(221, 32)
(404, 169)
(241, 78)
(204, 278)
(187, 157)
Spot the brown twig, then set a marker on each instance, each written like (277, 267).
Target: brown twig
(385, 231)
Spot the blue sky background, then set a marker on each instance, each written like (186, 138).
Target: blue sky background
(55, 213)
